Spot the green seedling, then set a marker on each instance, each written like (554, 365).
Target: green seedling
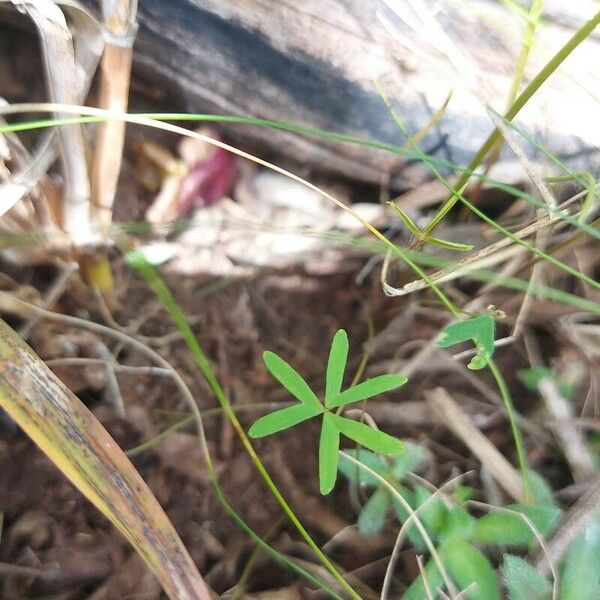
(333, 425)
(478, 329)
(458, 535)
(372, 516)
(578, 574)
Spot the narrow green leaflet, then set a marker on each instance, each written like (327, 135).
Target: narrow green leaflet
(328, 454)
(524, 582)
(291, 380)
(479, 329)
(336, 365)
(469, 568)
(581, 575)
(372, 516)
(368, 389)
(283, 419)
(370, 438)
(413, 228)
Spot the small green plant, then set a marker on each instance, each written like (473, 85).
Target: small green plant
(372, 516)
(479, 329)
(456, 534)
(579, 579)
(333, 425)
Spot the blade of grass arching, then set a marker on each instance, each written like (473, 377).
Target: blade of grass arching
(147, 271)
(578, 37)
(283, 125)
(458, 196)
(64, 429)
(195, 135)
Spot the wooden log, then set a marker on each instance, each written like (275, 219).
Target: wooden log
(314, 62)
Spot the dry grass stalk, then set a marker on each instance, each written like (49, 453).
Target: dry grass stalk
(119, 32)
(461, 425)
(63, 86)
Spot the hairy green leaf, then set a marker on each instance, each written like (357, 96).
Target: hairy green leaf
(510, 529)
(522, 581)
(416, 590)
(407, 462)
(470, 569)
(338, 355)
(356, 474)
(372, 516)
(581, 576)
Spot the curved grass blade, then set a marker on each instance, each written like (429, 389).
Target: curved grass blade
(338, 355)
(366, 436)
(283, 419)
(291, 380)
(69, 434)
(329, 444)
(368, 389)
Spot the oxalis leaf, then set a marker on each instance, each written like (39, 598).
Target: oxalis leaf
(479, 329)
(333, 425)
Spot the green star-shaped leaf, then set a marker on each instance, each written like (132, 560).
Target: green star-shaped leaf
(333, 425)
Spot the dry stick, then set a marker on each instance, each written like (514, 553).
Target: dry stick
(61, 75)
(573, 522)
(487, 256)
(120, 28)
(461, 425)
(568, 435)
(53, 294)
